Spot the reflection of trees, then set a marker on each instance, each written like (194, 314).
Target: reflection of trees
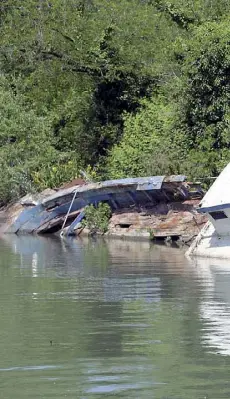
(130, 310)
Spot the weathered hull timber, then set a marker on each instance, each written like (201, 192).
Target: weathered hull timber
(50, 212)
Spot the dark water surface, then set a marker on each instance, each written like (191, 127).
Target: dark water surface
(126, 320)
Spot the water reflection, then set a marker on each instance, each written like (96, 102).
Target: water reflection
(43, 252)
(215, 306)
(126, 318)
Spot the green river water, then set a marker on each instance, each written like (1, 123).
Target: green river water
(94, 319)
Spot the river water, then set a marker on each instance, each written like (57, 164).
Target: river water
(90, 319)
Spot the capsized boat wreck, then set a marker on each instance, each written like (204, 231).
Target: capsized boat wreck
(47, 213)
(214, 239)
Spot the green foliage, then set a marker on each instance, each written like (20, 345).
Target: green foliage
(56, 173)
(27, 151)
(205, 97)
(85, 66)
(97, 218)
(188, 13)
(187, 130)
(125, 88)
(146, 147)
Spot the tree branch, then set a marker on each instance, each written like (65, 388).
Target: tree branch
(76, 67)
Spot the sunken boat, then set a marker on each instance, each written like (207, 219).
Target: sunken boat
(160, 198)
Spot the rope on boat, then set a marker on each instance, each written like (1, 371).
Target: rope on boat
(67, 215)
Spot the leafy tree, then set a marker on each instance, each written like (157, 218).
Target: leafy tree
(205, 97)
(26, 147)
(189, 13)
(82, 61)
(147, 145)
(121, 87)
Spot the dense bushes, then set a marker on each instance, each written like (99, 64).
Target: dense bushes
(123, 88)
(97, 218)
(28, 157)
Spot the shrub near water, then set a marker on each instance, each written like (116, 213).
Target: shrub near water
(97, 218)
(130, 88)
